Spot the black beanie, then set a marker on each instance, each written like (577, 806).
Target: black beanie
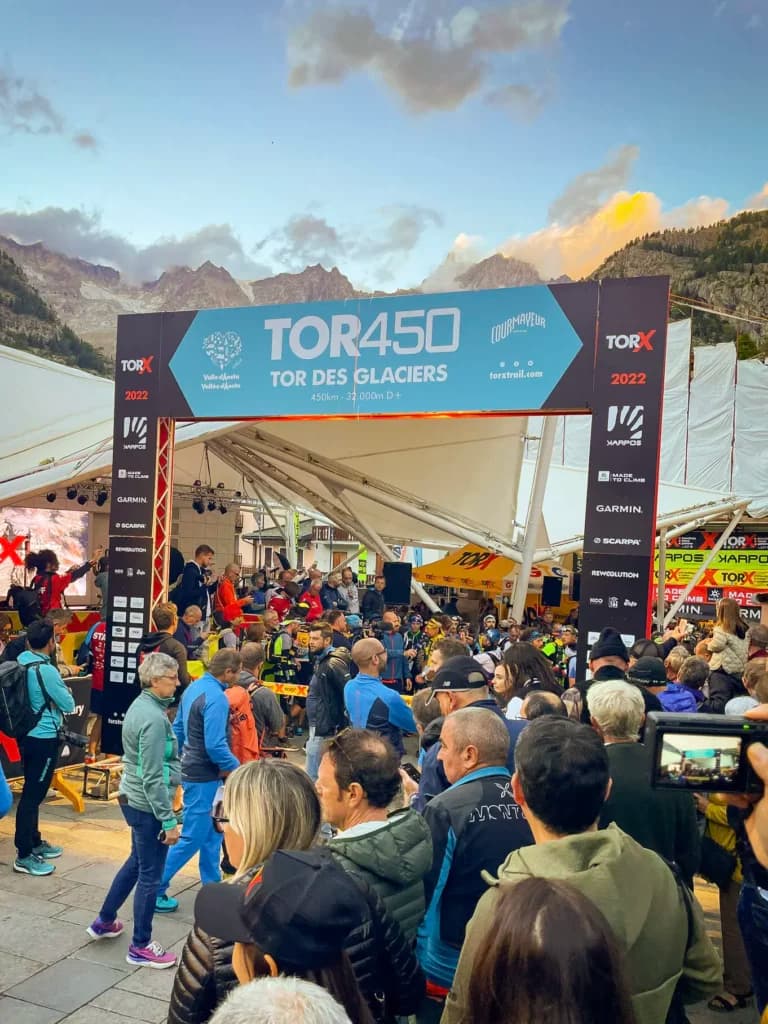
(609, 645)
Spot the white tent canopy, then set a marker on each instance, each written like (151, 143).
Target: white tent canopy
(437, 482)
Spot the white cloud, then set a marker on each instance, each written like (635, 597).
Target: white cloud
(78, 233)
(438, 70)
(587, 191)
(24, 110)
(759, 201)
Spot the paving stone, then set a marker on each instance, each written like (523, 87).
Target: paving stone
(15, 1012)
(84, 897)
(64, 987)
(108, 952)
(157, 984)
(14, 969)
(81, 915)
(93, 1015)
(130, 1004)
(47, 887)
(27, 904)
(43, 940)
(98, 873)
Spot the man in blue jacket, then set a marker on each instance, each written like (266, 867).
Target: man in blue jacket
(51, 698)
(473, 823)
(201, 730)
(372, 705)
(461, 682)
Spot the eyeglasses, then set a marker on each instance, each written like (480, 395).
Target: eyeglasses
(218, 817)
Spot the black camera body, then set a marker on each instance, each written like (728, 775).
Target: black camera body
(705, 753)
(72, 739)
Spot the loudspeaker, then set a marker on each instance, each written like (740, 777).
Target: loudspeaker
(551, 591)
(398, 582)
(576, 586)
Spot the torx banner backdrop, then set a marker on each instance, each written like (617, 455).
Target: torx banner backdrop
(590, 348)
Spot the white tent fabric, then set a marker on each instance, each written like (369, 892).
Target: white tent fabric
(675, 413)
(750, 454)
(711, 419)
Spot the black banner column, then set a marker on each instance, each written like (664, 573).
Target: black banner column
(620, 523)
(131, 522)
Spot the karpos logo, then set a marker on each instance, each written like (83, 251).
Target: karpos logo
(135, 433)
(141, 365)
(625, 423)
(635, 342)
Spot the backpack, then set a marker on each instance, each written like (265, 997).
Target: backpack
(83, 656)
(26, 601)
(17, 718)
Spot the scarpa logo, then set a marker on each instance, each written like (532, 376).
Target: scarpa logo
(223, 348)
(519, 324)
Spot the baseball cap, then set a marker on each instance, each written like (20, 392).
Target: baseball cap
(461, 673)
(353, 620)
(300, 909)
(535, 634)
(647, 672)
(416, 618)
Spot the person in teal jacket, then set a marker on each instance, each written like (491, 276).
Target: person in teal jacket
(52, 699)
(151, 773)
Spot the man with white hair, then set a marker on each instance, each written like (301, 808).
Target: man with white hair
(280, 1001)
(660, 820)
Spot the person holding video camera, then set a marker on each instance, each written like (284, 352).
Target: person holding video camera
(49, 696)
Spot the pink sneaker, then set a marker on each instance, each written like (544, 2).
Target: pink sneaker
(101, 930)
(151, 955)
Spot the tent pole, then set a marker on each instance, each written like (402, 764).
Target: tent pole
(704, 565)
(383, 548)
(373, 489)
(662, 575)
(515, 467)
(291, 547)
(535, 506)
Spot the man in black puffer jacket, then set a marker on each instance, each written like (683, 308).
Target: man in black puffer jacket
(325, 701)
(382, 960)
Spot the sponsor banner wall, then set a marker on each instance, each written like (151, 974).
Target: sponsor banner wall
(620, 522)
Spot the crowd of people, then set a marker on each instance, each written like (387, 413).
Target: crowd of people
(471, 834)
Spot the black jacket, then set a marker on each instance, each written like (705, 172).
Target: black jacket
(383, 962)
(659, 819)
(722, 686)
(372, 604)
(325, 700)
(192, 589)
(332, 598)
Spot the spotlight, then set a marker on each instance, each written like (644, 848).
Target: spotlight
(219, 487)
(211, 506)
(51, 496)
(223, 509)
(71, 493)
(238, 494)
(198, 506)
(82, 499)
(197, 483)
(101, 497)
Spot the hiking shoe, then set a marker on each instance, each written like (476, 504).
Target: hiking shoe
(48, 851)
(103, 930)
(152, 955)
(166, 905)
(33, 865)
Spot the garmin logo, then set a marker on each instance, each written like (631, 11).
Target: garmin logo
(518, 324)
(626, 509)
(132, 501)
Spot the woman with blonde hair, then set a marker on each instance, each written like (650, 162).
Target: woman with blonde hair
(729, 647)
(268, 805)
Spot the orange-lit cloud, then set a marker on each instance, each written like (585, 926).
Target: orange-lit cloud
(759, 201)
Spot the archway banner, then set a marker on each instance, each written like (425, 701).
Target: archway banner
(590, 348)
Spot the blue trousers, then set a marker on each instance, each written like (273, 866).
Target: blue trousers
(753, 921)
(197, 835)
(314, 752)
(142, 871)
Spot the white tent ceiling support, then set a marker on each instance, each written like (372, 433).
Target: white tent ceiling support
(517, 453)
(265, 505)
(384, 550)
(706, 514)
(533, 519)
(373, 490)
(287, 489)
(735, 519)
(662, 574)
(291, 545)
(392, 497)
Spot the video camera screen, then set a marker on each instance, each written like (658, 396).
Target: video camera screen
(699, 761)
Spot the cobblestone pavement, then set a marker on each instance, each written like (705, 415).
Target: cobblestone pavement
(49, 970)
